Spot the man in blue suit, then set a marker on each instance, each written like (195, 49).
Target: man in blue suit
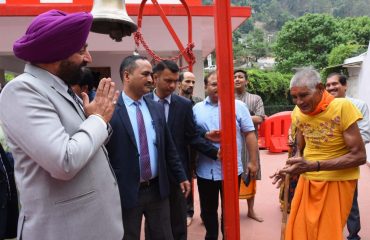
(179, 115)
(142, 153)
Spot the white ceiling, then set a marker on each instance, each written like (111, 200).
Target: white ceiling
(154, 31)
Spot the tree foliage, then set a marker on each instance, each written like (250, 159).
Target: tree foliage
(273, 15)
(355, 29)
(253, 47)
(246, 27)
(307, 41)
(337, 56)
(345, 8)
(9, 77)
(257, 45)
(270, 85)
(343, 51)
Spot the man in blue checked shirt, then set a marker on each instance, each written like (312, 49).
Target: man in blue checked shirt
(209, 175)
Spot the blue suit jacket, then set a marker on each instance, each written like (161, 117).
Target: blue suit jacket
(124, 156)
(184, 131)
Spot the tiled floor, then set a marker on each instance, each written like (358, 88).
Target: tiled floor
(267, 205)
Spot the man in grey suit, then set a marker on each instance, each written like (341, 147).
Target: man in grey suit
(66, 185)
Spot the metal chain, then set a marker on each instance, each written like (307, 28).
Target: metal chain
(138, 37)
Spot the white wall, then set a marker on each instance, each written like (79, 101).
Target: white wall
(360, 90)
(364, 87)
(352, 82)
(359, 85)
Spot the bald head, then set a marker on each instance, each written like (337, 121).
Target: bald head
(186, 84)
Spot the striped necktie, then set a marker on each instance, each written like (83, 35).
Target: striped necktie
(75, 98)
(164, 102)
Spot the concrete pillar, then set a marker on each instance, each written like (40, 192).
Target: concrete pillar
(198, 70)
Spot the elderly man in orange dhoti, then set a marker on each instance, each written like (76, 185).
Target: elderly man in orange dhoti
(330, 151)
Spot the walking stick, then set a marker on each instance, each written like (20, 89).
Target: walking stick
(285, 210)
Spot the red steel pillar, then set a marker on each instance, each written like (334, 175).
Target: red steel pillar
(224, 57)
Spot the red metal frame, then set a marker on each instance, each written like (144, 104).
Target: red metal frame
(224, 57)
(34, 8)
(189, 59)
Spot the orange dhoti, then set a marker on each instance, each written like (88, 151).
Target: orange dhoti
(320, 209)
(248, 192)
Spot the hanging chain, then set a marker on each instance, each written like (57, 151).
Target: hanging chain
(185, 52)
(139, 39)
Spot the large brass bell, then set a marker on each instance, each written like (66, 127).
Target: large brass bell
(110, 17)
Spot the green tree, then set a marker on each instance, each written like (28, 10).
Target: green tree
(253, 46)
(258, 5)
(246, 26)
(240, 53)
(343, 51)
(275, 16)
(306, 41)
(309, 39)
(337, 56)
(345, 8)
(273, 87)
(355, 29)
(257, 45)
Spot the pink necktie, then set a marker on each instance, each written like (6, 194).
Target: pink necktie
(146, 172)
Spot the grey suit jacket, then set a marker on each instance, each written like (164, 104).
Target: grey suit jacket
(66, 185)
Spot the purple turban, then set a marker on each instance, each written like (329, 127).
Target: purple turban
(53, 36)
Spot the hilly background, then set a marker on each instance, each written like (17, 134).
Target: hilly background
(283, 35)
(274, 13)
(256, 37)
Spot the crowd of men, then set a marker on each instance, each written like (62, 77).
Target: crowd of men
(92, 166)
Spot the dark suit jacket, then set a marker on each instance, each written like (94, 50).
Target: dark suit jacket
(124, 155)
(8, 198)
(183, 130)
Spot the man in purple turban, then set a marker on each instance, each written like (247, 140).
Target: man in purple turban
(67, 188)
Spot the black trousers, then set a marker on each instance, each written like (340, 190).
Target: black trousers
(209, 191)
(156, 212)
(178, 211)
(190, 201)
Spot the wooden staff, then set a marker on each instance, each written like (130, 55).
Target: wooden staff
(285, 210)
